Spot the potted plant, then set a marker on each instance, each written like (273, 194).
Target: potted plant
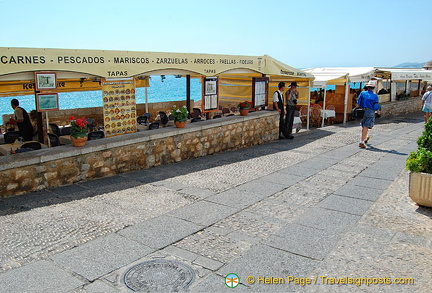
(244, 108)
(79, 130)
(180, 116)
(420, 165)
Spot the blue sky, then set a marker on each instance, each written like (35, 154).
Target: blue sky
(299, 33)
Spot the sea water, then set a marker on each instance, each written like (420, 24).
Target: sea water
(170, 88)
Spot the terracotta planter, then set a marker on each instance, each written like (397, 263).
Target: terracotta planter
(79, 141)
(420, 188)
(244, 112)
(180, 124)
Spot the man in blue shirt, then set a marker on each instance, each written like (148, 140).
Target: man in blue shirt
(370, 102)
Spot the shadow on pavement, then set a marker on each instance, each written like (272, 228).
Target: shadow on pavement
(374, 149)
(51, 196)
(91, 188)
(424, 211)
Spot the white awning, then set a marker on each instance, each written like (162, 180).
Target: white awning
(338, 75)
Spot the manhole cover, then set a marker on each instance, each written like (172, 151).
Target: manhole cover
(159, 275)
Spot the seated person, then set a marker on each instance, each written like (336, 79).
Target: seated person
(22, 120)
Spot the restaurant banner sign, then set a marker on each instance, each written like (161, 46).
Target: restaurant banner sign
(113, 64)
(119, 106)
(410, 75)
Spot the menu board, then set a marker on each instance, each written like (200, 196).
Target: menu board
(119, 106)
(210, 100)
(259, 91)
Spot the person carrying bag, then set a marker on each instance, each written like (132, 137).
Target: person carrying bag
(369, 101)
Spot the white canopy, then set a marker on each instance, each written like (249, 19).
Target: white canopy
(340, 75)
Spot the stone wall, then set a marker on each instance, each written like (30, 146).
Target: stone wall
(63, 165)
(401, 108)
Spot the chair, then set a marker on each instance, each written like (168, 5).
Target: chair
(196, 119)
(230, 114)
(11, 136)
(234, 109)
(142, 120)
(217, 116)
(90, 124)
(303, 114)
(330, 119)
(196, 113)
(225, 111)
(24, 150)
(55, 129)
(154, 125)
(95, 135)
(316, 116)
(54, 139)
(66, 130)
(163, 118)
(32, 145)
(171, 117)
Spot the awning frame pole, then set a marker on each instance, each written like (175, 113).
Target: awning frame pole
(346, 98)
(308, 112)
(146, 99)
(188, 93)
(47, 124)
(324, 105)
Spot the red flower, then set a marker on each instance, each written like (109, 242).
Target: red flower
(71, 118)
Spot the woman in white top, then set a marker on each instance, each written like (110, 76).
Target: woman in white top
(427, 104)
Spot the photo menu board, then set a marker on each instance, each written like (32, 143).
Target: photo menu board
(119, 106)
(210, 99)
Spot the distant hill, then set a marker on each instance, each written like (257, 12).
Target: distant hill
(410, 65)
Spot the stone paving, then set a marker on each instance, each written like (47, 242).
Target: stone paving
(315, 207)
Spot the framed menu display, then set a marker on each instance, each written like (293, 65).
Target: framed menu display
(210, 94)
(45, 81)
(119, 106)
(47, 102)
(259, 91)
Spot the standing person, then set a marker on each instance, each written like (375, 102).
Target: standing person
(22, 120)
(427, 104)
(278, 105)
(370, 102)
(291, 102)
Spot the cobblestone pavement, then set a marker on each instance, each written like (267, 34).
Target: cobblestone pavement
(315, 207)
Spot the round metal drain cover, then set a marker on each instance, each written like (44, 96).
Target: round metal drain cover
(159, 275)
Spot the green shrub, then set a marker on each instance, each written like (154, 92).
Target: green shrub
(421, 160)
